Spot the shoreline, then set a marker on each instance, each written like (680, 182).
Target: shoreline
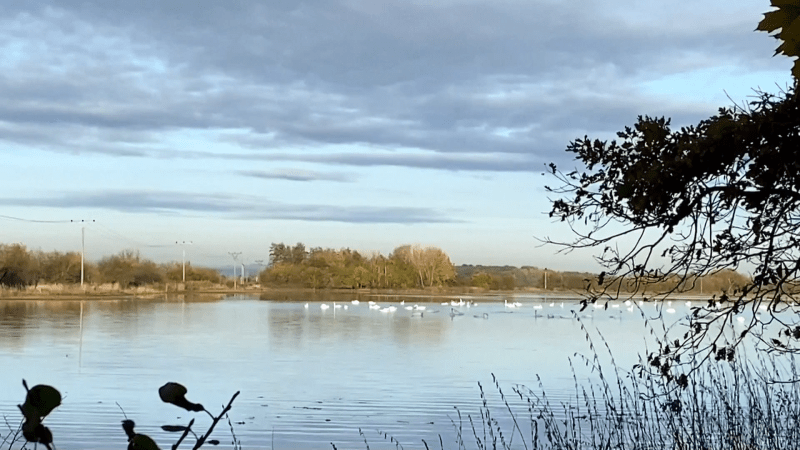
(94, 292)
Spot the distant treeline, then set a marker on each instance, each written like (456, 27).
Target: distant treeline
(407, 267)
(20, 267)
(509, 277)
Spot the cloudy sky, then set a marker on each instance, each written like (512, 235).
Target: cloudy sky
(342, 123)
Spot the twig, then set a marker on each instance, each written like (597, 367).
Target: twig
(183, 436)
(203, 438)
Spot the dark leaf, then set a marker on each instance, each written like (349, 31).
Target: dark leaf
(41, 401)
(175, 393)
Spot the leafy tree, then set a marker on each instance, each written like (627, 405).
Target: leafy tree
(128, 269)
(431, 264)
(17, 267)
(320, 268)
(174, 272)
(670, 206)
(60, 267)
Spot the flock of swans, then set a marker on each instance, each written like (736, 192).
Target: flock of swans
(456, 308)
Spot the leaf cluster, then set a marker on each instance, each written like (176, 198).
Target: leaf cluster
(666, 204)
(785, 18)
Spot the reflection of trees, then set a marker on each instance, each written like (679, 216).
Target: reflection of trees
(291, 328)
(16, 317)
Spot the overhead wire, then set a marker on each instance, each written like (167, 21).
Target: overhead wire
(199, 250)
(20, 219)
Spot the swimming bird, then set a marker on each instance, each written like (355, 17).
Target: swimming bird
(355, 302)
(306, 306)
(324, 306)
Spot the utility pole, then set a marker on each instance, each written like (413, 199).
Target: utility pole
(184, 244)
(235, 256)
(83, 244)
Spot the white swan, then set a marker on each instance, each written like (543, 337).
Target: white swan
(305, 306)
(355, 302)
(323, 306)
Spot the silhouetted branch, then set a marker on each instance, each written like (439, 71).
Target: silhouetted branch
(227, 408)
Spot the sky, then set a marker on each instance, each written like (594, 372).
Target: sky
(212, 128)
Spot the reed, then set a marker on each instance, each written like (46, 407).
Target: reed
(727, 405)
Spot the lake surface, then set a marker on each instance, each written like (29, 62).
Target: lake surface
(308, 376)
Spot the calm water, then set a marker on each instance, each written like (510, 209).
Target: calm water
(308, 376)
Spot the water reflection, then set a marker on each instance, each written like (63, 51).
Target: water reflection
(313, 375)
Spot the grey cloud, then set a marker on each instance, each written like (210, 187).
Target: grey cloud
(233, 207)
(452, 162)
(297, 175)
(450, 77)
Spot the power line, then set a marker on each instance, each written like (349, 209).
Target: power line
(20, 219)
